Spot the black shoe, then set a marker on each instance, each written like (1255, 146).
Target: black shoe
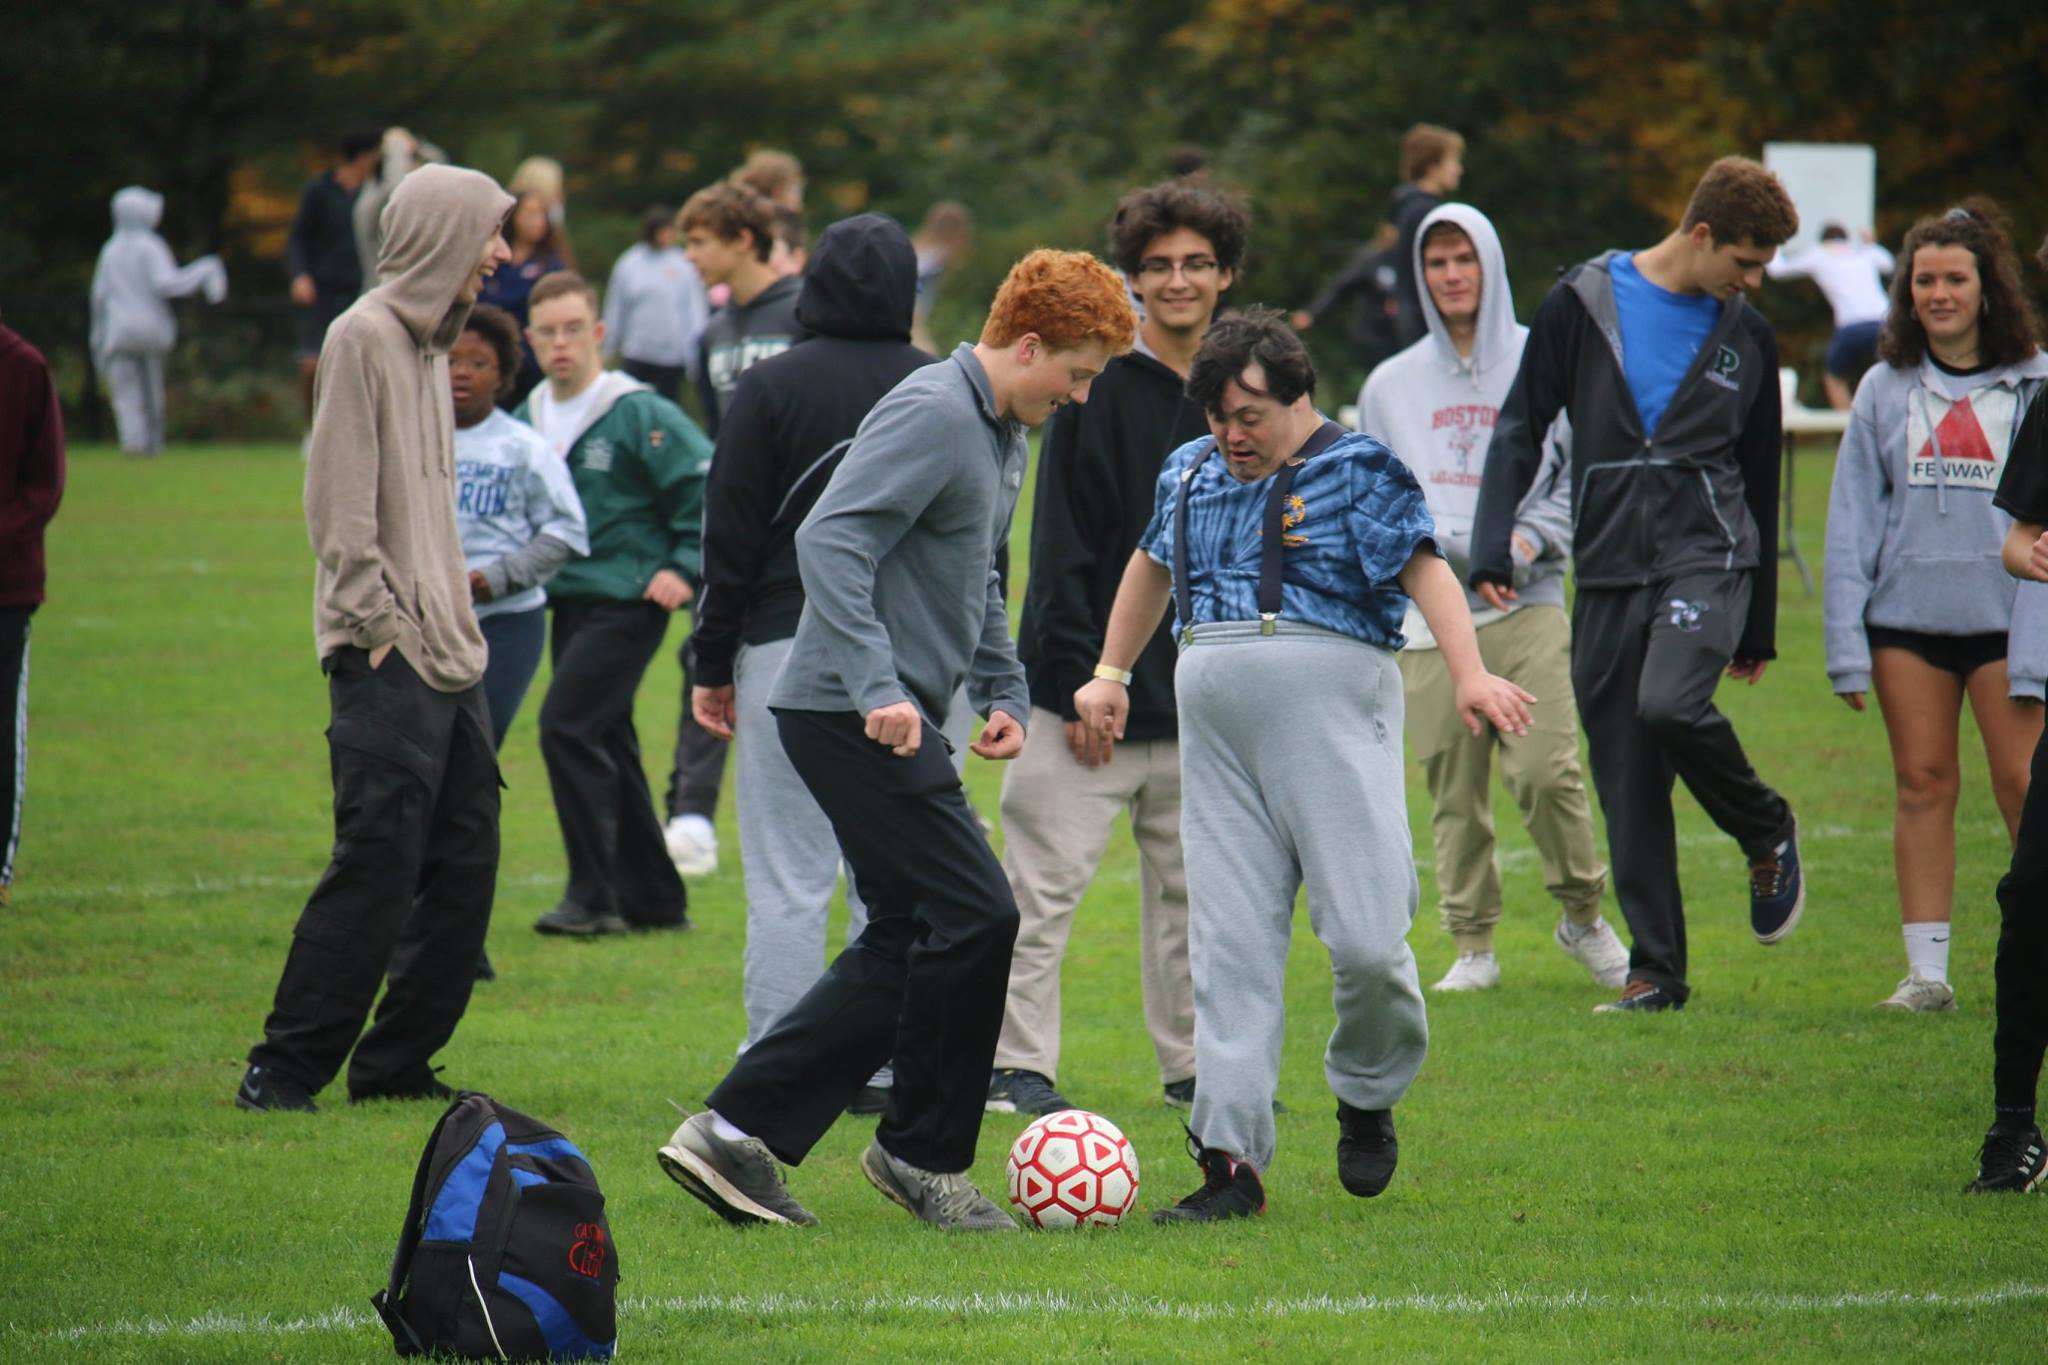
(484, 970)
(1640, 997)
(572, 919)
(425, 1087)
(872, 1100)
(2011, 1161)
(264, 1090)
(1230, 1189)
(1023, 1092)
(1366, 1149)
(1181, 1095)
(660, 926)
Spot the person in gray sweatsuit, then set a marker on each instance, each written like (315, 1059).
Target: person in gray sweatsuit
(1915, 599)
(133, 329)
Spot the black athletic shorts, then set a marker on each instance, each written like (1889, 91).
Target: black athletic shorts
(1961, 655)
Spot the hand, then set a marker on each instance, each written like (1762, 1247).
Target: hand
(2037, 558)
(900, 725)
(1103, 705)
(1001, 738)
(1853, 700)
(1496, 595)
(1522, 549)
(379, 654)
(713, 707)
(1090, 748)
(1750, 671)
(479, 586)
(304, 293)
(668, 590)
(1483, 697)
(1301, 319)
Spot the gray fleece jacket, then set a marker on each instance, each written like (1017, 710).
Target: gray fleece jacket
(136, 278)
(1913, 539)
(898, 556)
(1436, 409)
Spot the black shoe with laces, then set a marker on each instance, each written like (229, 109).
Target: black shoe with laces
(1366, 1149)
(425, 1086)
(1641, 997)
(572, 920)
(1230, 1189)
(265, 1091)
(2011, 1161)
(1023, 1092)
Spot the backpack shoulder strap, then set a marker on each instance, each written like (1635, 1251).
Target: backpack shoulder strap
(385, 1300)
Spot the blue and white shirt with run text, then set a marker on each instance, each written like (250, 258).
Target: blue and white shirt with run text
(510, 488)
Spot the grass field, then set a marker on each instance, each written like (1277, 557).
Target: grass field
(1773, 1173)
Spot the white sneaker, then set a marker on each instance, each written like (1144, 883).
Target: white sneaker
(1471, 972)
(1596, 949)
(692, 845)
(1918, 994)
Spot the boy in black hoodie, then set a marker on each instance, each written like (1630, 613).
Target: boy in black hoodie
(1671, 383)
(1179, 244)
(791, 418)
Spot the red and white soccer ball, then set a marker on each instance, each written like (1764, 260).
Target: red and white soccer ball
(1073, 1169)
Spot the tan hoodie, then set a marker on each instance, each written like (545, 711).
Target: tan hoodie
(380, 465)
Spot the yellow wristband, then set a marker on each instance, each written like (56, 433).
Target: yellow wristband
(1116, 675)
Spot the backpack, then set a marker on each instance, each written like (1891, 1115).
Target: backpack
(505, 1254)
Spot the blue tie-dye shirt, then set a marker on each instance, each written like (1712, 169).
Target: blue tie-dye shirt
(1354, 519)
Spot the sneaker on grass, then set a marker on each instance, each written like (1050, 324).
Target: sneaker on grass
(2011, 1161)
(265, 1091)
(1230, 1189)
(574, 921)
(1920, 995)
(1366, 1149)
(1777, 893)
(1023, 1092)
(738, 1180)
(946, 1200)
(425, 1086)
(1641, 997)
(692, 845)
(1595, 948)
(1471, 972)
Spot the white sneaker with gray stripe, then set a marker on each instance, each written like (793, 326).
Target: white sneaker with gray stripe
(1920, 995)
(945, 1201)
(738, 1180)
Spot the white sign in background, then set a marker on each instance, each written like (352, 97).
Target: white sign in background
(1830, 182)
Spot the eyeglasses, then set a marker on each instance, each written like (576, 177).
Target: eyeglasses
(1193, 268)
(568, 331)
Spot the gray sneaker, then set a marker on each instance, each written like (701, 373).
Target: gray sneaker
(738, 1180)
(946, 1201)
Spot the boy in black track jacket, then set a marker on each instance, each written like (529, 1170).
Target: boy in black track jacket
(1671, 383)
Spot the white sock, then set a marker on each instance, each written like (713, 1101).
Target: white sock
(726, 1130)
(1927, 950)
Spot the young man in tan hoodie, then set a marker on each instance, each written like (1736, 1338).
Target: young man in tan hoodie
(415, 861)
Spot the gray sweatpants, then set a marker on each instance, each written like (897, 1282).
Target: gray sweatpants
(135, 388)
(1291, 773)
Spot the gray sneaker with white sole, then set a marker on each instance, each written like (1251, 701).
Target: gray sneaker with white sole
(738, 1180)
(945, 1201)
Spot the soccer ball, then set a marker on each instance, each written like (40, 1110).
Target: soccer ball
(1072, 1169)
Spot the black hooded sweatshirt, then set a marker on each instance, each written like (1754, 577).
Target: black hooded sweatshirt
(791, 418)
(1096, 476)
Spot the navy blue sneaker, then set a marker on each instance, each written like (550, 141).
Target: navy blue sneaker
(1014, 1091)
(1641, 997)
(1777, 893)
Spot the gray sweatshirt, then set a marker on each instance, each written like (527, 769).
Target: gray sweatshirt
(1913, 539)
(137, 277)
(901, 598)
(1436, 409)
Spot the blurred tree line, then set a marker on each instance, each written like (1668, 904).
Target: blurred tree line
(1586, 122)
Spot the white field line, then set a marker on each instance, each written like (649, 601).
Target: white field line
(1096, 1306)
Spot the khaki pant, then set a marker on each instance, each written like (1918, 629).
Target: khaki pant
(1056, 822)
(1531, 647)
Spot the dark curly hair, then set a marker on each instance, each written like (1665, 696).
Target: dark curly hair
(501, 334)
(1257, 336)
(2006, 329)
(1198, 206)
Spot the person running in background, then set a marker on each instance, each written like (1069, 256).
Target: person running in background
(133, 328)
(1851, 275)
(942, 241)
(1435, 404)
(531, 235)
(321, 250)
(654, 308)
(1915, 599)
(1432, 166)
(1371, 275)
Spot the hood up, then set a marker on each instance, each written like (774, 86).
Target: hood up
(435, 227)
(1494, 341)
(137, 209)
(861, 281)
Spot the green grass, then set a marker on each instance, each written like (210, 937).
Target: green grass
(1774, 1173)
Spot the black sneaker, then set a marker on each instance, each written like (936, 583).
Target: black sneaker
(1366, 1149)
(869, 1101)
(1641, 997)
(1230, 1189)
(484, 970)
(661, 926)
(1181, 1095)
(1777, 893)
(1023, 1092)
(2011, 1161)
(573, 920)
(426, 1087)
(264, 1090)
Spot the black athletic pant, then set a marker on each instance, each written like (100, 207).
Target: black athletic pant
(407, 894)
(1645, 663)
(699, 768)
(13, 731)
(2022, 968)
(617, 861)
(925, 981)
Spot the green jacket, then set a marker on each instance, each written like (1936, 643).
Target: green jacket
(639, 468)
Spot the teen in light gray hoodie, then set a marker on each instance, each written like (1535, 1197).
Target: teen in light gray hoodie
(133, 328)
(1435, 404)
(1915, 598)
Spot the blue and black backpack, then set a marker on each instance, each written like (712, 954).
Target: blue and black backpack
(506, 1254)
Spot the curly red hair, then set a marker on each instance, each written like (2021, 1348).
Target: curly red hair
(1066, 298)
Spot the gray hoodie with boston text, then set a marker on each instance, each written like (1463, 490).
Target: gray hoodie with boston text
(380, 462)
(1436, 410)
